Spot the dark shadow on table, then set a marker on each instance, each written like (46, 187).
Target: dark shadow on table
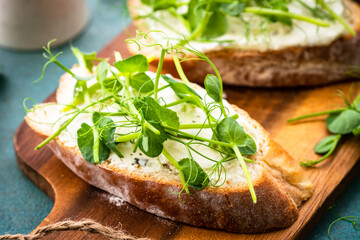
(2, 83)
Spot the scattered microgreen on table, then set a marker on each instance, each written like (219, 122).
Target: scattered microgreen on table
(354, 220)
(127, 87)
(340, 122)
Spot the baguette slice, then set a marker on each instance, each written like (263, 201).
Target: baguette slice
(279, 181)
(289, 67)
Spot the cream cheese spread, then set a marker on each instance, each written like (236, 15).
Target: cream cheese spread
(262, 35)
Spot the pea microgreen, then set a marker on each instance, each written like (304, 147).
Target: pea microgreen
(230, 131)
(342, 121)
(354, 220)
(194, 175)
(208, 19)
(132, 94)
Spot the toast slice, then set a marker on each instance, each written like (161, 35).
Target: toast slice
(149, 183)
(285, 67)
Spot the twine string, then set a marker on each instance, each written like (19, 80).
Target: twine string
(85, 225)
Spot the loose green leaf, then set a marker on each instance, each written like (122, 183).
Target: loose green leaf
(310, 163)
(142, 82)
(326, 144)
(86, 142)
(194, 175)
(133, 64)
(250, 148)
(230, 131)
(154, 112)
(151, 144)
(217, 25)
(212, 86)
(343, 123)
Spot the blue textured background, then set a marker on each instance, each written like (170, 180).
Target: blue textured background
(22, 205)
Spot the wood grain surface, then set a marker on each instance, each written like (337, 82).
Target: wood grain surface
(75, 199)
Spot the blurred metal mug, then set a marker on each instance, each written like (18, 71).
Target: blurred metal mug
(30, 24)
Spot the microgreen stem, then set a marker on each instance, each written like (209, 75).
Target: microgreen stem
(96, 146)
(158, 73)
(159, 89)
(180, 70)
(178, 167)
(128, 137)
(246, 172)
(202, 125)
(315, 114)
(310, 163)
(337, 17)
(351, 219)
(151, 127)
(181, 100)
(274, 12)
(196, 125)
(191, 136)
(43, 143)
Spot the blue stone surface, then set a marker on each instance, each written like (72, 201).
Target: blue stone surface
(22, 205)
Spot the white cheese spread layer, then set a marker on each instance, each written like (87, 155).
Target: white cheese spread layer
(262, 35)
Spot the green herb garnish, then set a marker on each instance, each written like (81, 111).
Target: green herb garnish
(208, 19)
(127, 88)
(342, 121)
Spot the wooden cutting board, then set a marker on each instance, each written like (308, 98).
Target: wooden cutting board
(75, 199)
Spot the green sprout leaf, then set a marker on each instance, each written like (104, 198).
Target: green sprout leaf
(133, 64)
(89, 144)
(343, 123)
(250, 148)
(154, 112)
(332, 145)
(212, 86)
(234, 9)
(230, 131)
(326, 144)
(194, 175)
(141, 82)
(107, 128)
(151, 144)
(217, 25)
(181, 89)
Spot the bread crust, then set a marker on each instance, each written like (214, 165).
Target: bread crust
(290, 67)
(280, 187)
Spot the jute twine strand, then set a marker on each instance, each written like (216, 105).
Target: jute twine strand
(86, 225)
